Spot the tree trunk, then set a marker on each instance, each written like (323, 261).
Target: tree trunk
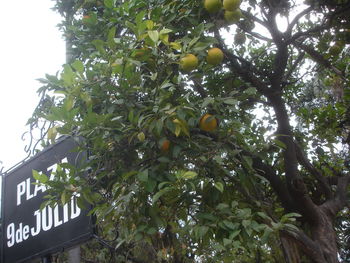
(324, 235)
(290, 249)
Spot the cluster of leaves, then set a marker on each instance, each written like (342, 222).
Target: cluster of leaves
(207, 196)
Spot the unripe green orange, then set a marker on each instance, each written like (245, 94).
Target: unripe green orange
(231, 5)
(215, 56)
(189, 62)
(212, 6)
(208, 123)
(232, 16)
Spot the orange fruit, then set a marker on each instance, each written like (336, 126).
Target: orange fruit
(208, 123)
(165, 145)
(215, 56)
(233, 16)
(189, 62)
(212, 6)
(231, 5)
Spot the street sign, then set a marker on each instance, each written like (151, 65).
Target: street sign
(27, 231)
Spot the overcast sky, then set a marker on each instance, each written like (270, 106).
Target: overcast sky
(31, 45)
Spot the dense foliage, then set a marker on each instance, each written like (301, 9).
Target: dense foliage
(240, 160)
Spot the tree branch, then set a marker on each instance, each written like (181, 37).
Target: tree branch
(339, 201)
(245, 69)
(306, 244)
(299, 35)
(302, 159)
(317, 57)
(254, 18)
(281, 57)
(296, 19)
(294, 66)
(295, 183)
(277, 184)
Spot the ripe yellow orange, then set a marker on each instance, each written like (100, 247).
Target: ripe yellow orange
(215, 56)
(189, 62)
(231, 5)
(208, 123)
(165, 145)
(212, 6)
(232, 16)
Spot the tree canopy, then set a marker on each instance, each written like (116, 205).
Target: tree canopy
(241, 155)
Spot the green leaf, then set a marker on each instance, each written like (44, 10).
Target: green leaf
(111, 36)
(99, 45)
(189, 175)
(154, 35)
(230, 101)
(177, 130)
(222, 206)
(139, 17)
(175, 45)
(246, 223)
(149, 24)
(230, 225)
(201, 231)
(227, 241)
(165, 31)
(234, 234)
(267, 233)
(193, 41)
(41, 177)
(78, 66)
(160, 193)
(36, 175)
(68, 76)
(109, 3)
(150, 185)
(64, 197)
(143, 176)
(250, 91)
(219, 186)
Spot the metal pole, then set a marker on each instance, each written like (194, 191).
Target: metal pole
(74, 255)
(46, 259)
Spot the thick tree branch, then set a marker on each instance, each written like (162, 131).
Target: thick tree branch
(295, 183)
(294, 66)
(281, 57)
(296, 19)
(339, 201)
(277, 184)
(317, 57)
(306, 244)
(303, 34)
(303, 160)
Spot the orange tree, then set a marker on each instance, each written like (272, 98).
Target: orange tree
(241, 160)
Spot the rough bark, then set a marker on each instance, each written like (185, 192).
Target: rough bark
(290, 249)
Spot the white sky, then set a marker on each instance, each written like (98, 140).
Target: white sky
(31, 45)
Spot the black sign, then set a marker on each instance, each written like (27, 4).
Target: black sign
(27, 231)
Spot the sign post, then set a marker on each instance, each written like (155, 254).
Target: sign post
(46, 259)
(29, 232)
